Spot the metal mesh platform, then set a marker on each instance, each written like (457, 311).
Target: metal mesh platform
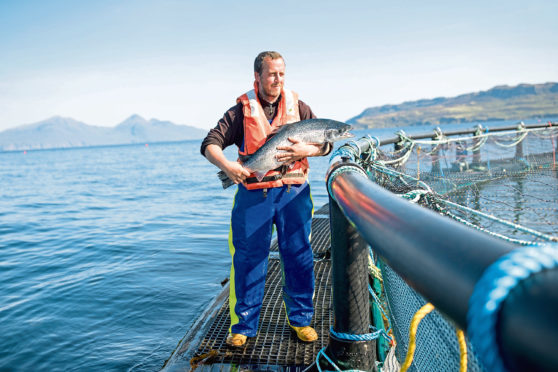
(275, 347)
(324, 210)
(275, 344)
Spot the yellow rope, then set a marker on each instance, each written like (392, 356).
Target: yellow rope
(462, 350)
(419, 315)
(413, 328)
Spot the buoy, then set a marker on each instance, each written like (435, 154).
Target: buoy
(146, 145)
(24, 152)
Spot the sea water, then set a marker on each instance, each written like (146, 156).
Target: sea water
(109, 254)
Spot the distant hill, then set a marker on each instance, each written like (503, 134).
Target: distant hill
(524, 101)
(59, 132)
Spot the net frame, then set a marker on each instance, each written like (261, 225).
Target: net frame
(484, 179)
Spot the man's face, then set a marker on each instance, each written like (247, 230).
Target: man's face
(270, 82)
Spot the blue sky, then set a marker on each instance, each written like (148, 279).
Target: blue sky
(187, 61)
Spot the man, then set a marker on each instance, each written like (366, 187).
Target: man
(281, 198)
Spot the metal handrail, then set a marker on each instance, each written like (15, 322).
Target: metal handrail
(394, 140)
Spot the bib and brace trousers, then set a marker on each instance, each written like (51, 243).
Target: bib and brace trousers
(257, 208)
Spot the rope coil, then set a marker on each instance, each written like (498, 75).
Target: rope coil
(497, 281)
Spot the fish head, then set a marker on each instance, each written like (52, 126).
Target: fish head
(340, 132)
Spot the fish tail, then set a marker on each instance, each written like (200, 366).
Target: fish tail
(225, 180)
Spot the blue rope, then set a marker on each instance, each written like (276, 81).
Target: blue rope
(322, 353)
(375, 139)
(349, 337)
(347, 150)
(379, 303)
(492, 289)
(362, 337)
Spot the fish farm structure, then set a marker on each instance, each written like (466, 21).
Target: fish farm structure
(436, 252)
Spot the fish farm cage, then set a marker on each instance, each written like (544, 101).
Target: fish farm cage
(461, 233)
(438, 252)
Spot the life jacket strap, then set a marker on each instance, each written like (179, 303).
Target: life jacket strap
(274, 177)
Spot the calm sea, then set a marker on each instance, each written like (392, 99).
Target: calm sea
(108, 254)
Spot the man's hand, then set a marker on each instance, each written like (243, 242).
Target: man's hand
(236, 172)
(298, 150)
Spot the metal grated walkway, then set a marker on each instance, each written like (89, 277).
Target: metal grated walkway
(276, 347)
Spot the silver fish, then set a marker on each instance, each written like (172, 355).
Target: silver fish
(315, 131)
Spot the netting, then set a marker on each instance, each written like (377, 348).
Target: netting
(437, 348)
(503, 182)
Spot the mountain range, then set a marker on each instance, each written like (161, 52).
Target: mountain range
(60, 132)
(520, 102)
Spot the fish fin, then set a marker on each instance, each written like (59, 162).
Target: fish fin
(260, 175)
(222, 175)
(225, 180)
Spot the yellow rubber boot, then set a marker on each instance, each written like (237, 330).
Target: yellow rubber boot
(236, 340)
(306, 334)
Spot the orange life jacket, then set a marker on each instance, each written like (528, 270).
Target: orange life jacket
(256, 131)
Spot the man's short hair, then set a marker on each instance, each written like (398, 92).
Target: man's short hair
(258, 63)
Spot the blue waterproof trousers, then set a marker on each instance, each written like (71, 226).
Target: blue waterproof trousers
(253, 217)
